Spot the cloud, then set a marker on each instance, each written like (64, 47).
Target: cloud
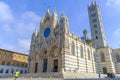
(30, 16)
(117, 32)
(5, 13)
(114, 3)
(25, 22)
(6, 46)
(23, 25)
(28, 21)
(14, 28)
(24, 44)
(6, 28)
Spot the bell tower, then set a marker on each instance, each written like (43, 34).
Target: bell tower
(96, 25)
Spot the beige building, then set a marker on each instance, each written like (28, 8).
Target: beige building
(11, 61)
(56, 52)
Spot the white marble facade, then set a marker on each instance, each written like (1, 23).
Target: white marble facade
(54, 41)
(55, 49)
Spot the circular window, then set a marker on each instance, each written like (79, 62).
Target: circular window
(47, 32)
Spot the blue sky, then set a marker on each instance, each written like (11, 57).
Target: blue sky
(19, 18)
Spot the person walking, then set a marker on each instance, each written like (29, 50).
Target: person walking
(99, 75)
(16, 74)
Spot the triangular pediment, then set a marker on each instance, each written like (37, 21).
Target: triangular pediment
(43, 44)
(53, 41)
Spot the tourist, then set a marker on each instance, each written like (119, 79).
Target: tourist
(16, 74)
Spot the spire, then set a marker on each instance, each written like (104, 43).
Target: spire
(42, 20)
(48, 12)
(36, 33)
(47, 16)
(63, 17)
(55, 18)
(64, 22)
(55, 12)
(63, 14)
(94, 2)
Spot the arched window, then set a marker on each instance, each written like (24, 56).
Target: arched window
(3, 63)
(73, 48)
(96, 32)
(7, 71)
(5, 55)
(102, 57)
(8, 63)
(96, 37)
(25, 71)
(88, 54)
(104, 70)
(94, 20)
(118, 57)
(1, 71)
(10, 56)
(81, 50)
(95, 25)
(21, 71)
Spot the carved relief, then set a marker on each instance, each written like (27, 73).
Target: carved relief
(35, 56)
(44, 52)
(54, 51)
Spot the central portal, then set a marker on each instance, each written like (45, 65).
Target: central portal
(45, 61)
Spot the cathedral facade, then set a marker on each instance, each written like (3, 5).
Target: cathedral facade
(56, 52)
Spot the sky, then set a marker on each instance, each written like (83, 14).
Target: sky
(19, 18)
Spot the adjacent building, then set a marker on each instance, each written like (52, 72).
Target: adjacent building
(11, 61)
(56, 52)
